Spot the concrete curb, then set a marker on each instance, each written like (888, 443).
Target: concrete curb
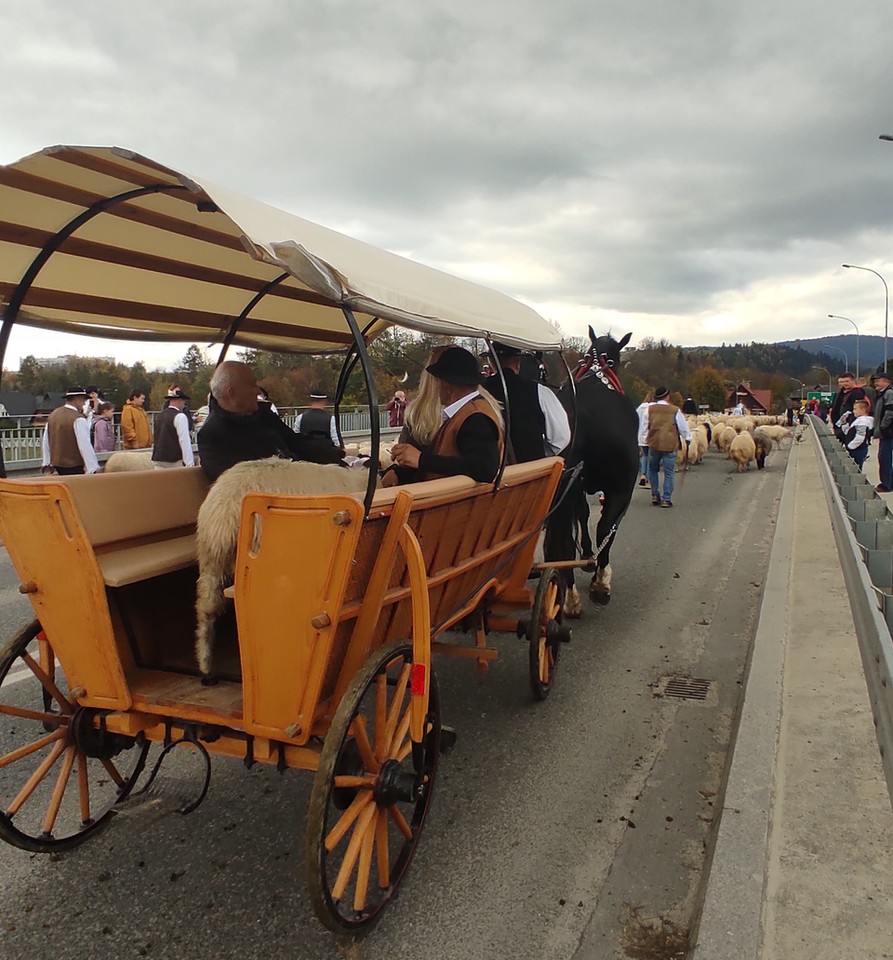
(730, 927)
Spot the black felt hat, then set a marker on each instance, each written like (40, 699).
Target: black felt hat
(75, 392)
(176, 394)
(660, 393)
(456, 365)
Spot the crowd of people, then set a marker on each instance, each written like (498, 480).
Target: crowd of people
(455, 426)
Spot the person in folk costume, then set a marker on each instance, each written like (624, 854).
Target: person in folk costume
(662, 427)
(173, 444)
(65, 446)
(317, 422)
(538, 423)
(471, 438)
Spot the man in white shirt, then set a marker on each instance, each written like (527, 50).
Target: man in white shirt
(173, 445)
(662, 427)
(65, 447)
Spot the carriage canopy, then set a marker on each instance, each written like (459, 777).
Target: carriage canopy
(105, 242)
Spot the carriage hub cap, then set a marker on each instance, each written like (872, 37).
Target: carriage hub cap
(394, 784)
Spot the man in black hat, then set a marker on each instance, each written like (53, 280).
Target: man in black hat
(173, 445)
(883, 428)
(238, 428)
(66, 446)
(662, 426)
(538, 424)
(471, 439)
(317, 422)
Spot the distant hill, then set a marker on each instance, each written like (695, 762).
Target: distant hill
(871, 349)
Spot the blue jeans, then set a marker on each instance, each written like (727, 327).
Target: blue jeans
(885, 461)
(643, 462)
(667, 461)
(859, 454)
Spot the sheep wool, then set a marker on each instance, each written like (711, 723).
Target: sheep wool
(742, 450)
(218, 527)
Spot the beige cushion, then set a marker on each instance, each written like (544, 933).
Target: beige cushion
(124, 564)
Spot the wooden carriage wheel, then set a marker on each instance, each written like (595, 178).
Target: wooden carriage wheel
(61, 773)
(369, 802)
(545, 632)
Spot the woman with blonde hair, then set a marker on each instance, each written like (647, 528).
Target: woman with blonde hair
(424, 416)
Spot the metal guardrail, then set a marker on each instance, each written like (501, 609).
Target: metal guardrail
(863, 531)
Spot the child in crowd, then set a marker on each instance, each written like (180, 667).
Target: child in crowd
(857, 427)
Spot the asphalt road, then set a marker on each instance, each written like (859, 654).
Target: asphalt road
(575, 828)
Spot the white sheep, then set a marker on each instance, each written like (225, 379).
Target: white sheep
(742, 450)
(726, 436)
(129, 461)
(218, 527)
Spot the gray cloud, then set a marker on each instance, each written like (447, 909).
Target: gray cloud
(657, 159)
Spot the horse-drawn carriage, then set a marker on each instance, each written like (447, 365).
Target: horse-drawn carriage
(338, 604)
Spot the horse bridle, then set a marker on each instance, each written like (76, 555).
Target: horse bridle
(600, 366)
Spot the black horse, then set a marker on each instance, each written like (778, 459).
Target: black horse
(606, 443)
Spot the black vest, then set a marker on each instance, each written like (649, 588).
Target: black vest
(166, 448)
(317, 423)
(527, 429)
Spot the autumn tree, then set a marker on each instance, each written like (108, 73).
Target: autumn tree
(707, 386)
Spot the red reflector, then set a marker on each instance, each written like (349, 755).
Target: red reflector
(417, 685)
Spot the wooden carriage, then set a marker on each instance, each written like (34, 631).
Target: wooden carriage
(338, 605)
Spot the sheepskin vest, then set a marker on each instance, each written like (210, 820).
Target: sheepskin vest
(663, 434)
(167, 444)
(445, 442)
(63, 442)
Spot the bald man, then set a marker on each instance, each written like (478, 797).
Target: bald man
(239, 428)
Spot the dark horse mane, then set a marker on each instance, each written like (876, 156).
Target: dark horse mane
(605, 442)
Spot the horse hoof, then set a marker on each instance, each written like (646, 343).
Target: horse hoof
(599, 595)
(573, 606)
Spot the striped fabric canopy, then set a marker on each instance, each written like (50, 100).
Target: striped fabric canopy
(104, 242)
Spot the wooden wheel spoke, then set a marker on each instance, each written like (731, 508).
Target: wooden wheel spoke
(396, 704)
(112, 771)
(343, 780)
(7, 709)
(381, 846)
(361, 738)
(31, 748)
(49, 821)
(544, 662)
(83, 788)
(345, 822)
(400, 820)
(351, 855)
(35, 778)
(381, 695)
(365, 865)
(48, 684)
(401, 732)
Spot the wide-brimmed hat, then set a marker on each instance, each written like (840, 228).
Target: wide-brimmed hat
(176, 394)
(660, 393)
(456, 365)
(75, 392)
(319, 396)
(504, 350)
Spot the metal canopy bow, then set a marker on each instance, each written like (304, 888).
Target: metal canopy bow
(104, 242)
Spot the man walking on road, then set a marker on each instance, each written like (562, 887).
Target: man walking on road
(883, 426)
(173, 445)
(662, 426)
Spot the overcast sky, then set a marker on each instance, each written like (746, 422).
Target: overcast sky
(697, 170)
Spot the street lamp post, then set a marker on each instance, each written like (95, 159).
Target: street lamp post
(835, 316)
(795, 380)
(817, 367)
(846, 359)
(852, 266)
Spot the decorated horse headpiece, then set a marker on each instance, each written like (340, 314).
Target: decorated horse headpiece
(601, 359)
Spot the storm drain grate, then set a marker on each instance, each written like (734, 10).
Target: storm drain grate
(686, 688)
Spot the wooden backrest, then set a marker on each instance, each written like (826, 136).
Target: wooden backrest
(310, 613)
(125, 506)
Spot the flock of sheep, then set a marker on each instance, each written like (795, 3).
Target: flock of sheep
(743, 440)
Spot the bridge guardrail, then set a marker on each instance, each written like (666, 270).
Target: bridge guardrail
(863, 532)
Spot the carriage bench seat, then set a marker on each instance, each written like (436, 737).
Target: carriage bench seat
(140, 524)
